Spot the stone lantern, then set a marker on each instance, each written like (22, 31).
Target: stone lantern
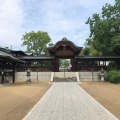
(28, 75)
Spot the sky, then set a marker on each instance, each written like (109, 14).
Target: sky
(60, 18)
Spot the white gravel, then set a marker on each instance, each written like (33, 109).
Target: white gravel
(68, 101)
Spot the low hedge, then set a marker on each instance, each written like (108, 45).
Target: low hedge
(113, 76)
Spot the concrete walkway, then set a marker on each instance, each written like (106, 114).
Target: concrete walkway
(68, 101)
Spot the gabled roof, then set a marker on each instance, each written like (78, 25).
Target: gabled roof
(4, 49)
(64, 41)
(5, 55)
(21, 52)
(10, 58)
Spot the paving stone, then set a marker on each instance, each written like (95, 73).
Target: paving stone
(68, 101)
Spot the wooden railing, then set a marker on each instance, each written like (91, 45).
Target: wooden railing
(91, 68)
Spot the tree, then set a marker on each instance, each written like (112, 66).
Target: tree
(90, 48)
(116, 45)
(36, 42)
(64, 62)
(105, 29)
(85, 51)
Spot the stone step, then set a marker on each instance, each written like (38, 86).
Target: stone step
(55, 79)
(65, 74)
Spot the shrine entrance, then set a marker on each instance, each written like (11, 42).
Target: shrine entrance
(65, 65)
(64, 49)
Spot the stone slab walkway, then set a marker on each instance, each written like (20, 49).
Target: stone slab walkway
(68, 101)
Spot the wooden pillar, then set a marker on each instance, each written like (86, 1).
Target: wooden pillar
(13, 75)
(3, 76)
(76, 63)
(98, 63)
(53, 65)
(105, 63)
(57, 64)
(3, 73)
(30, 65)
(42, 64)
(93, 67)
(73, 64)
(14, 72)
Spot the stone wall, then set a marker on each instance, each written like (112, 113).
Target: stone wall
(82, 76)
(41, 76)
(89, 76)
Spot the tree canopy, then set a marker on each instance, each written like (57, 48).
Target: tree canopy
(105, 30)
(36, 42)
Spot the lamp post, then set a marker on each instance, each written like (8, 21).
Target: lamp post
(37, 75)
(64, 70)
(92, 75)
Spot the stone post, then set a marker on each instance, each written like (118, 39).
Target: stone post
(102, 75)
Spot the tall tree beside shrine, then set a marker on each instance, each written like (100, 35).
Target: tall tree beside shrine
(105, 30)
(36, 42)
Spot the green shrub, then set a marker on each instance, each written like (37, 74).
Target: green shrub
(113, 76)
(113, 65)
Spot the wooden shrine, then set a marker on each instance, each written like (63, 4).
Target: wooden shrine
(19, 61)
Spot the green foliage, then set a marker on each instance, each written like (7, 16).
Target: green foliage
(50, 44)
(90, 49)
(64, 62)
(36, 42)
(85, 51)
(116, 45)
(113, 76)
(93, 50)
(113, 65)
(105, 30)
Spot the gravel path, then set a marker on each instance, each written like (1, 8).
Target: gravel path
(68, 101)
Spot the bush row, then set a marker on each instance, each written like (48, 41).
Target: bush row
(113, 76)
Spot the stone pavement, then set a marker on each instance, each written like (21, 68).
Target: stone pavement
(68, 101)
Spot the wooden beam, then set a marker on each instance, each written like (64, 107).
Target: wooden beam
(3, 73)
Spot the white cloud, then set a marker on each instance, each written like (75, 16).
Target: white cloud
(11, 20)
(66, 18)
(60, 18)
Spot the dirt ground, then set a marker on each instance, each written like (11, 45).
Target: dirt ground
(18, 99)
(105, 93)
